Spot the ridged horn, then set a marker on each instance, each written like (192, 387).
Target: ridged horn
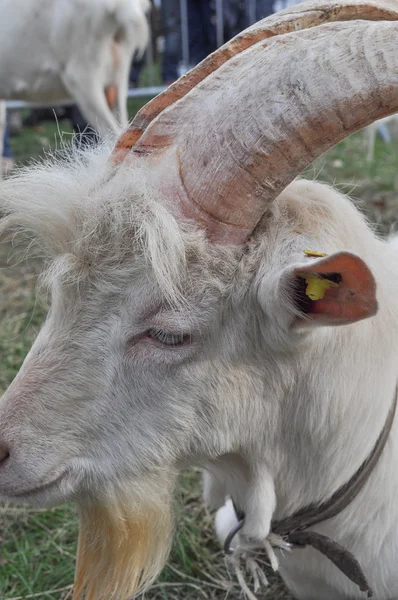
(228, 147)
(301, 16)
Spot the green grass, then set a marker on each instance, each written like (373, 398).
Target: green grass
(373, 185)
(37, 550)
(37, 546)
(33, 142)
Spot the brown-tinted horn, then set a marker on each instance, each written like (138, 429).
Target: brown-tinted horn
(301, 16)
(232, 143)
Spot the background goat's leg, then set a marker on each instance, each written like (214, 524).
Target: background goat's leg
(120, 109)
(91, 99)
(122, 66)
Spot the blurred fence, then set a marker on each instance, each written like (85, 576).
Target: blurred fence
(132, 93)
(180, 21)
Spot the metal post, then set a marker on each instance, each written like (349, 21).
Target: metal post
(3, 117)
(219, 23)
(140, 92)
(184, 36)
(251, 11)
(149, 61)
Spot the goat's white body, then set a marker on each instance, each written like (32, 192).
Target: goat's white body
(333, 433)
(334, 394)
(58, 49)
(362, 379)
(281, 415)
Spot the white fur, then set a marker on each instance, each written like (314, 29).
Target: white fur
(279, 416)
(57, 49)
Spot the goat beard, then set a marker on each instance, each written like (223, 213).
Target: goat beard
(124, 541)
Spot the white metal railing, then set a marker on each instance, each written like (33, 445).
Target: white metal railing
(132, 93)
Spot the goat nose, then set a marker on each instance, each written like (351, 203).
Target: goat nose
(4, 454)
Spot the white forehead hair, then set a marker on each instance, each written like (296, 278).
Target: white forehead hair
(89, 216)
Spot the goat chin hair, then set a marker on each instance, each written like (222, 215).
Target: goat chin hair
(124, 542)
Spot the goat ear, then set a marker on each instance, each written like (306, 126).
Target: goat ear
(336, 290)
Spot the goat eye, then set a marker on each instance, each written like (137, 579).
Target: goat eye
(169, 339)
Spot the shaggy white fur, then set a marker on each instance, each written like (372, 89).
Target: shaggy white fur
(280, 409)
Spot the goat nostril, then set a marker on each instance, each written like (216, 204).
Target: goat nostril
(4, 454)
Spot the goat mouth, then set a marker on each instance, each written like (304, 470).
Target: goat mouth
(40, 488)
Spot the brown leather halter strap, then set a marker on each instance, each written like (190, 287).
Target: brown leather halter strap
(294, 529)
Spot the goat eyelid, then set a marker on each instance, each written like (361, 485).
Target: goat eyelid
(167, 338)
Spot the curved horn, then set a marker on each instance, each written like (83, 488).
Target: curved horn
(224, 151)
(302, 16)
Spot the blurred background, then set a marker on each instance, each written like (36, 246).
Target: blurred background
(37, 546)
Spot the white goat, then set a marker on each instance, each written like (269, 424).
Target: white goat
(79, 49)
(181, 328)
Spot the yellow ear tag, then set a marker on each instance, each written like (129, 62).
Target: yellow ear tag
(314, 253)
(316, 287)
